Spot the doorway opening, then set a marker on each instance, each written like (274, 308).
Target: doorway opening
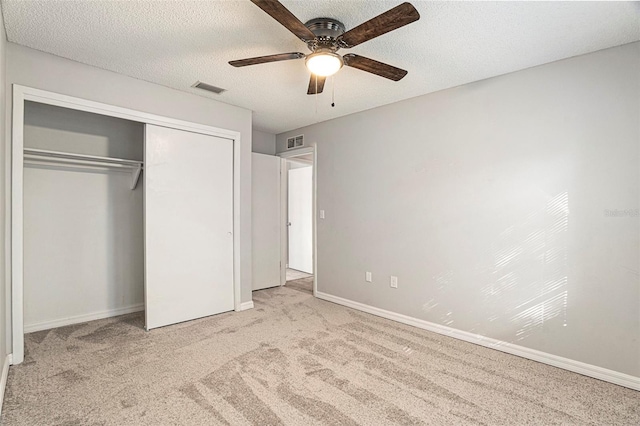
(298, 206)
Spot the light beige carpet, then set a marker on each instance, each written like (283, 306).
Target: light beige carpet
(292, 360)
(304, 285)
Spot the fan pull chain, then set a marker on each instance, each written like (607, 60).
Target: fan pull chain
(333, 91)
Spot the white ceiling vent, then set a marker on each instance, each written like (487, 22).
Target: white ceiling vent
(208, 87)
(295, 142)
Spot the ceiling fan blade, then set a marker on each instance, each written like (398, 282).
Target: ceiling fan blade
(312, 84)
(390, 20)
(277, 11)
(374, 67)
(264, 59)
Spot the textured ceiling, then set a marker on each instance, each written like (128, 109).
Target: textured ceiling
(176, 43)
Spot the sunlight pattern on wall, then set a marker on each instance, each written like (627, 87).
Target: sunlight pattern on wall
(433, 306)
(530, 268)
(521, 283)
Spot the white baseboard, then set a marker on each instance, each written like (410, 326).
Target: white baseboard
(3, 378)
(246, 305)
(46, 325)
(607, 375)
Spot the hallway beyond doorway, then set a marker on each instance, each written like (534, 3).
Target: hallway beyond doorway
(293, 274)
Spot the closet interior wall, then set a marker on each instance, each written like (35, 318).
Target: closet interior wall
(83, 226)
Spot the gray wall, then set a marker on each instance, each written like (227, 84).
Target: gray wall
(4, 151)
(83, 227)
(489, 201)
(44, 71)
(263, 143)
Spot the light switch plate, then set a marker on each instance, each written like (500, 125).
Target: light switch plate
(321, 214)
(394, 282)
(367, 277)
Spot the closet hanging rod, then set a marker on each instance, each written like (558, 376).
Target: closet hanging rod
(32, 158)
(39, 155)
(32, 152)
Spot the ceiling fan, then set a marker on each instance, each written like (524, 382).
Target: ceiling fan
(325, 36)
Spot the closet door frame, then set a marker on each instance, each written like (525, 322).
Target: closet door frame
(14, 252)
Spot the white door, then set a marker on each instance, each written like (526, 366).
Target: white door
(265, 220)
(188, 193)
(300, 219)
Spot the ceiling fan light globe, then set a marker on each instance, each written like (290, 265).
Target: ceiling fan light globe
(324, 64)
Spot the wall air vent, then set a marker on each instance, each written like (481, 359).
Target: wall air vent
(208, 87)
(295, 142)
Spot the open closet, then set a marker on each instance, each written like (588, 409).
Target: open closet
(83, 216)
(116, 211)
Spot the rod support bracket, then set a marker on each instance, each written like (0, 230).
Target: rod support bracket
(135, 176)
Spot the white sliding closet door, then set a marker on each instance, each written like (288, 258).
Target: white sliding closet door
(188, 225)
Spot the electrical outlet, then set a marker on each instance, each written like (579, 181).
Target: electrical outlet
(367, 277)
(394, 282)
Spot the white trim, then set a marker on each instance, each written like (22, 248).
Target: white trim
(3, 378)
(20, 95)
(246, 305)
(284, 206)
(314, 224)
(284, 229)
(296, 152)
(70, 102)
(237, 269)
(301, 161)
(607, 375)
(17, 164)
(47, 325)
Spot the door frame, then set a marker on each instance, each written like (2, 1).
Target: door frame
(313, 149)
(14, 253)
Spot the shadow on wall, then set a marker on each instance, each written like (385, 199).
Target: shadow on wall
(529, 271)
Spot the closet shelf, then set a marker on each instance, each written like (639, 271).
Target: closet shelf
(88, 160)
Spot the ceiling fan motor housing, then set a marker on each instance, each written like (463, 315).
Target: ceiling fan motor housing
(326, 30)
